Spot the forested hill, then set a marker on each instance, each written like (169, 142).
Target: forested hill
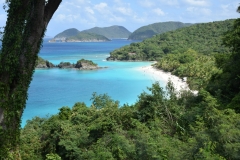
(74, 35)
(87, 37)
(110, 32)
(162, 124)
(68, 33)
(205, 38)
(156, 28)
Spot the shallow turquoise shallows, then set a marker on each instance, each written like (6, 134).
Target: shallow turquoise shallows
(51, 89)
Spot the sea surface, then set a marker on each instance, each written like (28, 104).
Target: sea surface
(52, 89)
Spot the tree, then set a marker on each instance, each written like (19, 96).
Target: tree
(226, 85)
(22, 38)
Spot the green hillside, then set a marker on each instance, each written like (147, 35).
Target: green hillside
(67, 33)
(110, 32)
(156, 28)
(204, 38)
(163, 123)
(85, 37)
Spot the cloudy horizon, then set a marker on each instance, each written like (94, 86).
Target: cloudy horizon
(86, 14)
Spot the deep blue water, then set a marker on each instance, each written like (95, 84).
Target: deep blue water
(51, 89)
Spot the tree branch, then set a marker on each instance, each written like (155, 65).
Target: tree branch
(50, 8)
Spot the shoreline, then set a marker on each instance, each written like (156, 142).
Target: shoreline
(160, 75)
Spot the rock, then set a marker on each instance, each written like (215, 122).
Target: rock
(65, 65)
(49, 64)
(86, 65)
(81, 65)
(41, 63)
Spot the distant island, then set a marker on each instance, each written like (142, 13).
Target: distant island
(95, 34)
(112, 32)
(72, 35)
(81, 65)
(102, 34)
(156, 28)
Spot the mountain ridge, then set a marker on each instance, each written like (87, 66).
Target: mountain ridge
(150, 30)
(111, 32)
(96, 34)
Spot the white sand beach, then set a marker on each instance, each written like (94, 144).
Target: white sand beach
(160, 75)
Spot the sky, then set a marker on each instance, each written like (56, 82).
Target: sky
(133, 14)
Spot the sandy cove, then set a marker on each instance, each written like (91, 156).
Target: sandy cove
(160, 75)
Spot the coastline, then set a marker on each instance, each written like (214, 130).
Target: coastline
(160, 75)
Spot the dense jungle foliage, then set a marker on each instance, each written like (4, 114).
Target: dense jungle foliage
(204, 38)
(156, 28)
(198, 68)
(162, 124)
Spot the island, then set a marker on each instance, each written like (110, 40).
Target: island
(96, 34)
(42, 63)
(81, 37)
(82, 64)
(111, 32)
(87, 37)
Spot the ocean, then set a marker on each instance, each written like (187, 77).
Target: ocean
(52, 89)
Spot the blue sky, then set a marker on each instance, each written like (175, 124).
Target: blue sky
(132, 14)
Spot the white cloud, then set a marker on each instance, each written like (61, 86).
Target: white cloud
(229, 10)
(116, 19)
(229, 7)
(170, 2)
(199, 11)
(146, 3)
(119, 2)
(158, 11)
(66, 18)
(3, 17)
(124, 11)
(139, 19)
(206, 11)
(89, 10)
(197, 2)
(80, 2)
(225, 7)
(101, 6)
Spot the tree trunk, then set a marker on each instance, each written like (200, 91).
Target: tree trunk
(22, 39)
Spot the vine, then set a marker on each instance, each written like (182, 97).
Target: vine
(22, 39)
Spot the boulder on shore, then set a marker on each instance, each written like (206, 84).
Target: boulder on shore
(86, 65)
(41, 63)
(65, 65)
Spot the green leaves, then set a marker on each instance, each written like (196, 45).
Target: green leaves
(161, 125)
(204, 38)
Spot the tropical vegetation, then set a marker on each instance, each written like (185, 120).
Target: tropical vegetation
(162, 124)
(156, 28)
(204, 38)
(82, 36)
(67, 33)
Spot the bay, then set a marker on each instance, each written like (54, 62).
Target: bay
(52, 89)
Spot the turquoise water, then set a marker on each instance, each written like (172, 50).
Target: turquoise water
(51, 89)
